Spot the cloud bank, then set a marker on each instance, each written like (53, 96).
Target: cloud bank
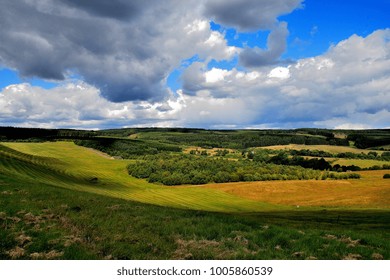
(113, 60)
(125, 48)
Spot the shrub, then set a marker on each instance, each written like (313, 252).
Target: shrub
(386, 176)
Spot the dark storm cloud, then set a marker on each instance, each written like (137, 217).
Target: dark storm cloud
(276, 45)
(128, 48)
(117, 9)
(51, 39)
(249, 15)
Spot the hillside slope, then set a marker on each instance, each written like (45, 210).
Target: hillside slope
(63, 164)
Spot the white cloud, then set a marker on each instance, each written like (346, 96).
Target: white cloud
(216, 75)
(279, 72)
(127, 59)
(126, 48)
(349, 85)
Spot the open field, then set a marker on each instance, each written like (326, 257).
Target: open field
(39, 221)
(62, 201)
(362, 163)
(371, 191)
(82, 169)
(325, 148)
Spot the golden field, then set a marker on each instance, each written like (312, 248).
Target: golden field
(371, 191)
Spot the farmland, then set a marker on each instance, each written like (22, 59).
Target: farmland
(326, 148)
(60, 200)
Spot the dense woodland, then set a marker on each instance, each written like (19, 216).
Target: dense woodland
(242, 139)
(237, 139)
(40, 134)
(127, 148)
(385, 156)
(186, 169)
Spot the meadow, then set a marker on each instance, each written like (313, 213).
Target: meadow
(326, 148)
(63, 201)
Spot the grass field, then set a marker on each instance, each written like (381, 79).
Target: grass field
(77, 168)
(371, 191)
(362, 163)
(83, 169)
(62, 201)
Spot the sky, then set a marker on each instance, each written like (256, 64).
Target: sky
(216, 64)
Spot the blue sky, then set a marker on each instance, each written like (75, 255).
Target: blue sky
(313, 29)
(333, 21)
(262, 61)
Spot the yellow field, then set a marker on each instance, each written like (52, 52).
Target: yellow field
(326, 148)
(370, 191)
(212, 151)
(74, 167)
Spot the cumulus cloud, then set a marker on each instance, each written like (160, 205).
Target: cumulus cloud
(124, 52)
(250, 16)
(78, 105)
(348, 86)
(125, 48)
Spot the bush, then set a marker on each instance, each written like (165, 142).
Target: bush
(386, 176)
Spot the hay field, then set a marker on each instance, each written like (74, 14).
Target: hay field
(371, 191)
(325, 148)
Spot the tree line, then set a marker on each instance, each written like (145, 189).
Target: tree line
(127, 148)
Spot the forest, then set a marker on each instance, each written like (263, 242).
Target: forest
(124, 148)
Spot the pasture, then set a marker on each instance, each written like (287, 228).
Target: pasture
(62, 201)
(69, 166)
(325, 148)
(369, 192)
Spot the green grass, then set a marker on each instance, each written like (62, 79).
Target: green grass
(61, 201)
(66, 165)
(46, 222)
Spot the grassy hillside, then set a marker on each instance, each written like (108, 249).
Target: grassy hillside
(62, 201)
(82, 169)
(66, 165)
(39, 221)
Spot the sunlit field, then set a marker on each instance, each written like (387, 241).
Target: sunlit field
(62, 201)
(326, 148)
(77, 168)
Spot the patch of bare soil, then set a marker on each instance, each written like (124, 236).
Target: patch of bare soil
(187, 247)
(53, 254)
(344, 239)
(352, 257)
(16, 253)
